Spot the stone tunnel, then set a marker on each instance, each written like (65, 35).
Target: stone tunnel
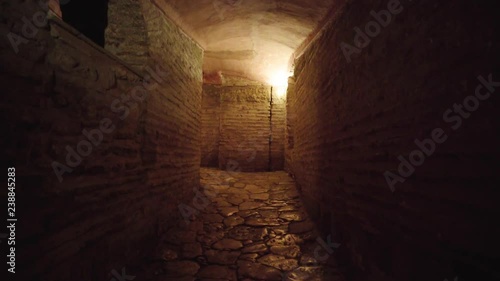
(224, 140)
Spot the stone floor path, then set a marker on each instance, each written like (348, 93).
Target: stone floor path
(251, 226)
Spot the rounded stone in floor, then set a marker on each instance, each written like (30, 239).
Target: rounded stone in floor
(256, 189)
(235, 200)
(209, 238)
(249, 257)
(279, 230)
(263, 221)
(269, 213)
(228, 244)
(312, 273)
(260, 196)
(279, 262)
(251, 231)
(256, 248)
(248, 233)
(280, 196)
(283, 240)
(287, 208)
(293, 216)
(233, 221)
(228, 211)
(247, 269)
(248, 213)
(289, 251)
(250, 205)
(221, 202)
(222, 257)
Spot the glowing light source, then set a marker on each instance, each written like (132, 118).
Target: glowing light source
(280, 91)
(279, 81)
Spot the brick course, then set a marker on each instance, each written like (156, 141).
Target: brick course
(350, 121)
(110, 209)
(237, 125)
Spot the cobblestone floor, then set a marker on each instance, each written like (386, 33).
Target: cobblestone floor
(251, 226)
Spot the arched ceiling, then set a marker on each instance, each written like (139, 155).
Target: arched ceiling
(248, 38)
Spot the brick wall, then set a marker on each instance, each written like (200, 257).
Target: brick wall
(289, 124)
(237, 124)
(173, 118)
(126, 35)
(128, 188)
(351, 121)
(210, 126)
(245, 127)
(278, 120)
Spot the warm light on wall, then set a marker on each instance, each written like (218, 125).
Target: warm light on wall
(280, 91)
(279, 81)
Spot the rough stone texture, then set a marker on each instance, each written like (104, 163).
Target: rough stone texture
(139, 32)
(347, 124)
(210, 126)
(236, 127)
(289, 123)
(170, 45)
(278, 116)
(350, 122)
(266, 251)
(126, 35)
(108, 210)
(245, 128)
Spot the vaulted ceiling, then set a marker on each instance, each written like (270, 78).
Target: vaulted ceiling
(248, 38)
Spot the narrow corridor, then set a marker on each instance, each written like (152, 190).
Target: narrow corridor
(254, 228)
(365, 135)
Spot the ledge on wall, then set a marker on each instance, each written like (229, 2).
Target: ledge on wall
(221, 79)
